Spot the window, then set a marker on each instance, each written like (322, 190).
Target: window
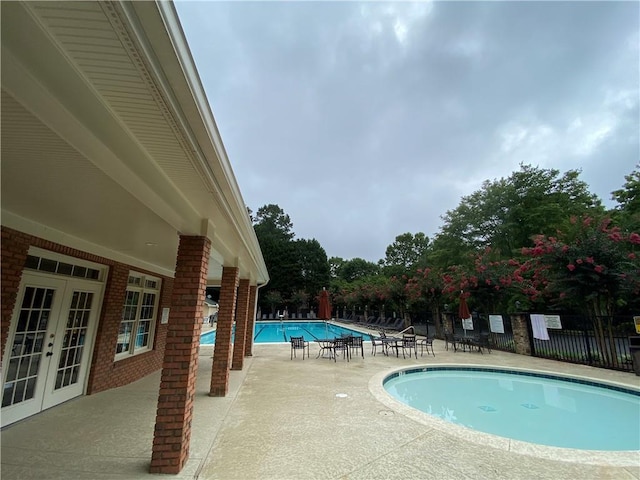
(138, 315)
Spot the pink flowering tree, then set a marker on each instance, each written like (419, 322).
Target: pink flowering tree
(593, 266)
(425, 287)
(488, 282)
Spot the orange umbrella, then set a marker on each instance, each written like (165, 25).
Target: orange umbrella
(324, 310)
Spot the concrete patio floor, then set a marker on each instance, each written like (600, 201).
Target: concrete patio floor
(282, 420)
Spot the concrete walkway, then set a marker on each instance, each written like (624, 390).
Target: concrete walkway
(284, 419)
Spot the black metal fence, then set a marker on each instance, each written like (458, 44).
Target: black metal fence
(600, 342)
(481, 324)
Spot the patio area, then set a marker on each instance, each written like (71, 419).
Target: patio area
(283, 419)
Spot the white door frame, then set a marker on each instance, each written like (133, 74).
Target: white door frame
(46, 394)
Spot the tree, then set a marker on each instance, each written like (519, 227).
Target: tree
(271, 221)
(405, 253)
(592, 267)
(357, 268)
(426, 286)
(627, 213)
(507, 213)
(312, 265)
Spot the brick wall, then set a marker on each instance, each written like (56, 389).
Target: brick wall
(104, 373)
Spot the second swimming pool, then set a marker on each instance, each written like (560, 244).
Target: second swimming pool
(281, 332)
(533, 407)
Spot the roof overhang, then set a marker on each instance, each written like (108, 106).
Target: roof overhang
(108, 141)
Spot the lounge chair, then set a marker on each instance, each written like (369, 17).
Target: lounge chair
(299, 343)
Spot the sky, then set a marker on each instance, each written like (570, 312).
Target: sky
(364, 121)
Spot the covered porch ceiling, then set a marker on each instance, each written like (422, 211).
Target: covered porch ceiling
(108, 142)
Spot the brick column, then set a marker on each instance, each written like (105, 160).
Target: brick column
(242, 311)
(251, 321)
(222, 348)
(521, 337)
(172, 434)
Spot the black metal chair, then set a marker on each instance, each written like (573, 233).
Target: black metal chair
(355, 343)
(426, 344)
(375, 343)
(299, 343)
(484, 342)
(450, 339)
(341, 344)
(409, 343)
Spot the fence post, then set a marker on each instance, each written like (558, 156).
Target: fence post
(522, 337)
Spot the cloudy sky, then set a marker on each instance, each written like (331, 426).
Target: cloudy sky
(363, 121)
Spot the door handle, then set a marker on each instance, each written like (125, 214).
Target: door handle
(51, 344)
(49, 354)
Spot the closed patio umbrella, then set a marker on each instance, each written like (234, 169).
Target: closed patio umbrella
(463, 311)
(324, 309)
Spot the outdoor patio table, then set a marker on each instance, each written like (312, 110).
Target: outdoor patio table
(326, 345)
(392, 342)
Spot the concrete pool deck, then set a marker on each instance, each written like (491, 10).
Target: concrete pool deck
(290, 419)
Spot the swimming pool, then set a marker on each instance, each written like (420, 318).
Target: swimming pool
(528, 406)
(281, 332)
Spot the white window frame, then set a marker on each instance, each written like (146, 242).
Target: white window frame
(140, 285)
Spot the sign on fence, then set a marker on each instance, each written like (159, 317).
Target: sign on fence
(553, 321)
(496, 324)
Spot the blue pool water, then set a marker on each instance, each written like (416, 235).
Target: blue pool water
(277, 332)
(527, 406)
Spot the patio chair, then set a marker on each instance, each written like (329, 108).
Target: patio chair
(341, 344)
(484, 342)
(409, 343)
(375, 343)
(450, 339)
(355, 343)
(426, 344)
(299, 343)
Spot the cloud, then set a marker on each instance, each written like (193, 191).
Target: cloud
(364, 121)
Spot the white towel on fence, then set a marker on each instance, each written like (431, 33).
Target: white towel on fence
(539, 327)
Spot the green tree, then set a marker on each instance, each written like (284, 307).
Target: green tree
(627, 213)
(271, 221)
(312, 265)
(507, 213)
(405, 254)
(357, 268)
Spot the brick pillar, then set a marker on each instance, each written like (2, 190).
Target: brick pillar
(521, 337)
(251, 320)
(172, 434)
(242, 311)
(222, 348)
(15, 247)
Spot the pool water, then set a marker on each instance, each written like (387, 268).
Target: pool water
(281, 332)
(536, 408)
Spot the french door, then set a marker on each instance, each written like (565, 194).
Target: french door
(50, 342)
